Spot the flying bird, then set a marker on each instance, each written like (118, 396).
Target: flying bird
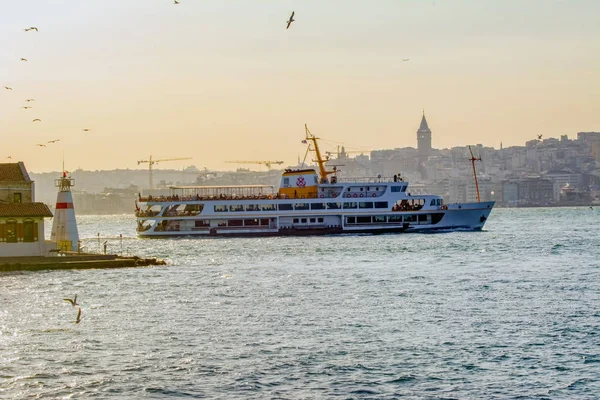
(31, 28)
(85, 129)
(37, 120)
(26, 107)
(539, 137)
(54, 141)
(28, 100)
(175, 2)
(23, 59)
(9, 157)
(40, 145)
(7, 88)
(79, 318)
(406, 59)
(72, 301)
(291, 20)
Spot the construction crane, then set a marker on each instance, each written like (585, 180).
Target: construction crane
(265, 163)
(343, 153)
(151, 162)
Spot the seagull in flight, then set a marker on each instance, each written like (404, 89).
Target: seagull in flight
(291, 20)
(72, 301)
(26, 107)
(175, 2)
(42, 145)
(9, 157)
(86, 129)
(79, 317)
(7, 88)
(31, 28)
(28, 100)
(539, 137)
(54, 141)
(37, 120)
(23, 59)
(406, 59)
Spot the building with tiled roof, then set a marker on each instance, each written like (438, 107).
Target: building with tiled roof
(21, 218)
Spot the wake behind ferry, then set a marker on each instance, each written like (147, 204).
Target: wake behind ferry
(307, 202)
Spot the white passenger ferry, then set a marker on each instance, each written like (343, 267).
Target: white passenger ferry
(306, 203)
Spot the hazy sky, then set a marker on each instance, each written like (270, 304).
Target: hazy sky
(223, 80)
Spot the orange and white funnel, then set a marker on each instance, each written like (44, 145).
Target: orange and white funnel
(64, 225)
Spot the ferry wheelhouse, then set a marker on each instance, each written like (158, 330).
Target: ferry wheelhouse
(306, 203)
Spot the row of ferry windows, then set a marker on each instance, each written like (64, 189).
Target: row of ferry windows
(302, 206)
(386, 219)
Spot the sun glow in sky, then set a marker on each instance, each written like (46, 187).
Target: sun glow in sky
(221, 80)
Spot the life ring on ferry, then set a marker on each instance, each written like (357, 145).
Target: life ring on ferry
(374, 195)
(348, 195)
(362, 195)
(355, 195)
(322, 195)
(334, 195)
(444, 207)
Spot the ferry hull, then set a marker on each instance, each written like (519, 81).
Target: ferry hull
(466, 216)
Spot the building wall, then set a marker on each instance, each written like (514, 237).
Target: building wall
(37, 247)
(8, 190)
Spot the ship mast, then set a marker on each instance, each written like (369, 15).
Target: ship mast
(473, 159)
(320, 160)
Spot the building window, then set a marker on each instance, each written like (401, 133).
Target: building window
(28, 235)
(11, 232)
(17, 198)
(286, 182)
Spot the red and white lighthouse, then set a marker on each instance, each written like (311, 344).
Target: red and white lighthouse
(64, 225)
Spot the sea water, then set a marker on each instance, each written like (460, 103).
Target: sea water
(509, 312)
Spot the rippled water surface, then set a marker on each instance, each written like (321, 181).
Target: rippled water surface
(510, 312)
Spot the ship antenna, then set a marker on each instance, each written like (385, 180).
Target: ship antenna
(473, 159)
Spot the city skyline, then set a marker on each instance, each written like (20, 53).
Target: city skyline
(211, 81)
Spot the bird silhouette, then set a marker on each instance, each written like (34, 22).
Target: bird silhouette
(175, 2)
(85, 129)
(37, 120)
(25, 107)
(79, 317)
(291, 20)
(41, 145)
(72, 301)
(539, 137)
(7, 88)
(54, 141)
(23, 59)
(31, 28)
(9, 157)
(28, 100)
(406, 59)
(591, 208)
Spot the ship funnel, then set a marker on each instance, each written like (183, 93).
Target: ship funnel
(64, 225)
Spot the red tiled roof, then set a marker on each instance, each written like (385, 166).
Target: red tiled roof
(12, 172)
(24, 210)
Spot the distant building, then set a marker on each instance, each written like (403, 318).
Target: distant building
(424, 140)
(21, 219)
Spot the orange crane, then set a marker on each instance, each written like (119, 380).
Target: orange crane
(265, 163)
(151, 162)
